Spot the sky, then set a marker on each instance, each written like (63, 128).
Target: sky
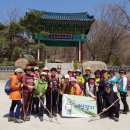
(66, 6)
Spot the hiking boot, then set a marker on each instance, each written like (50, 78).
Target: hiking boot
(116, 119)
(49, 115)
(41, 118)
(18, 120)
(123, 112)
(27, 118)
(11, 119)
(35, 116)
(54, 114)
(111, 116)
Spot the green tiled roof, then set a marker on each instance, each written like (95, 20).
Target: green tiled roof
(68, 16)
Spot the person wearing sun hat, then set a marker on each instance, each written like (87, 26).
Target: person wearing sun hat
(71, 72)
(88, 71)
(39, 92)
(97, 74)
(36, 73)
(46, 69)
(86, 77)
(27, 90)
(52, 92)
(75, 88)
(66, 85)
(91, 87)
(79, 76)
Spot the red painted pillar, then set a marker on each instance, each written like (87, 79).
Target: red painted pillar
(80, 52)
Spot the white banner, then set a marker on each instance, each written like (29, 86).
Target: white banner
(78, 106)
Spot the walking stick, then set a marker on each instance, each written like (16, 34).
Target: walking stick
(105, 110)
(57, 101)
(23, 106)
(49, 111)
(51, 104)
(29, 110)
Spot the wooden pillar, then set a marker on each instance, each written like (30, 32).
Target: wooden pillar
(77, 53)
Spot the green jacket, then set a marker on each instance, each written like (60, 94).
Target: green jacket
(40, 87)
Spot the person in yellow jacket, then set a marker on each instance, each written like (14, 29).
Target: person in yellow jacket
(79, 76)
(15, 96)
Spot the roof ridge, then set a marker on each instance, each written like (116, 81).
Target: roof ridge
(66, 13)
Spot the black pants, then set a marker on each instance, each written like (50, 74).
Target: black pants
(13, 105)
(37, 106)
(60, 104)
(114, 110)
(123, 99)
(99, 102)
(51, 101)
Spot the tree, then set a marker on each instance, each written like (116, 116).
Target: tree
(105, 36)
(32, 21)
(123, 13)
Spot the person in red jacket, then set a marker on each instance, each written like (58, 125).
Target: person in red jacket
(28, 86)
(15, 96)
(52, 93)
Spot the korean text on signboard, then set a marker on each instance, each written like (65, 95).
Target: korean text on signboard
(60, 36)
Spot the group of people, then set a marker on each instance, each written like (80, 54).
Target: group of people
(31, 87)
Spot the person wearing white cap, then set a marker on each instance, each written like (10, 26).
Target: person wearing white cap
(39, 94)
(36, 73)
(15, 96)
(18, 70)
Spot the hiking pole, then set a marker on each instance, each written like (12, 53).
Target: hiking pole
(51, 104)
(57, 101)
(30, 105)
(49, 111)
(105, 110)
(23, 106)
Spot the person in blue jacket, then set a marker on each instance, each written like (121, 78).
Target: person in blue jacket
(112, 81)
(123, 90)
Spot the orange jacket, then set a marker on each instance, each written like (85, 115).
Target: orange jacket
(77, 90)
(15, 86)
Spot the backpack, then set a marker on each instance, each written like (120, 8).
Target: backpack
(128, 85)
(7, 87)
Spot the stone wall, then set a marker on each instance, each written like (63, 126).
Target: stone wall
(4, 75)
